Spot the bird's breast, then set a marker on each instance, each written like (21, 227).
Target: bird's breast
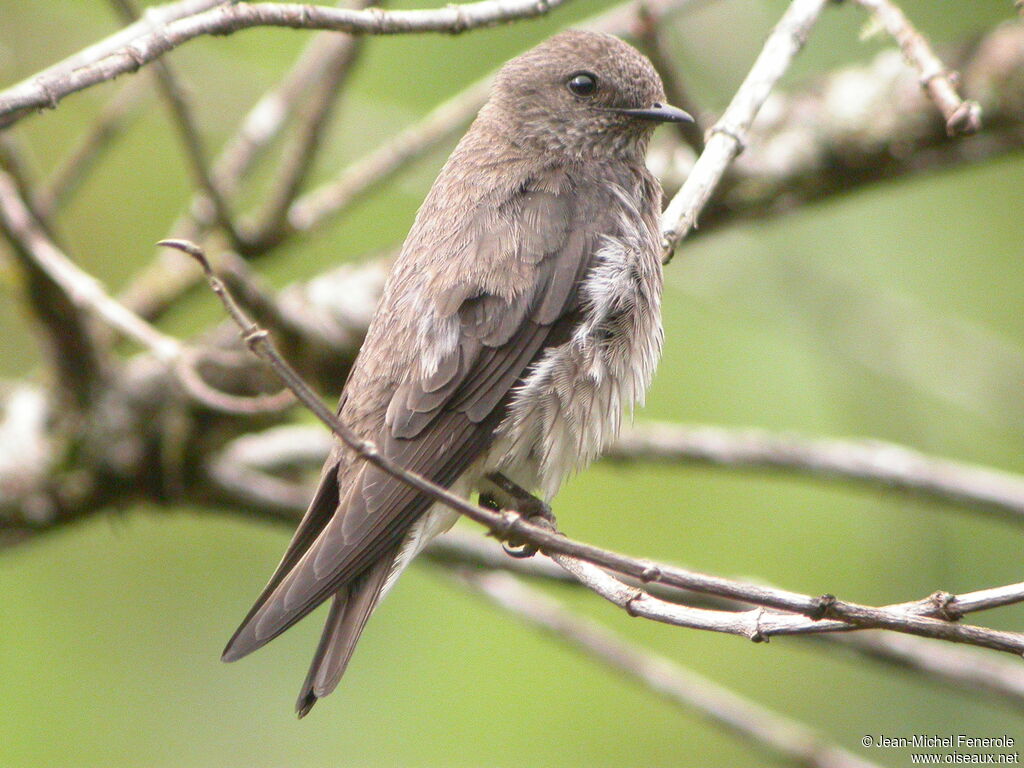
(569, 405)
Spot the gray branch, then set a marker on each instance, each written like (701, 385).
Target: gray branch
(974, 488)
(184, 119)
(783, 737)
(962, 117)
(97, 52)
(728, 136)
(49, 87)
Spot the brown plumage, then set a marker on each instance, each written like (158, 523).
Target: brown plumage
(520, 318)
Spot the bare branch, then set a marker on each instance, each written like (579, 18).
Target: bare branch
(187, 369)
(759, 624)
(84, 291)
(181, 111)
(49, 87)
(962, 668)
(962, 117)
(975, 488)
(86, 294)
(264, 121)
(781, 736)
(300, 155)
(439, 125)
(649, 29)
(728, 136)
(76, 354)
(250, 463)
(72, 170)
(155, 288)
(585, 561)
(804, 148)
(97, 52)
(379, 166)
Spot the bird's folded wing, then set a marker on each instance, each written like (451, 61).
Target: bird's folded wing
(437, 425)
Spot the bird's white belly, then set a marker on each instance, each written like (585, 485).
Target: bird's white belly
(570, 405)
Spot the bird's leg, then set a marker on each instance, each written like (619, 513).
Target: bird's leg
(525, 503)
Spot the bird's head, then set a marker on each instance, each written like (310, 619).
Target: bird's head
(582, 94)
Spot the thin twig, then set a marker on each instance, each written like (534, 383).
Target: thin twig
(963, 668)
(86, 294)
(973, 487)
(441, 124)
(72, 170)
(785, 738)
(188, 129)
(155, 289)
(246, 472)
(804, 149)
(97, 52)
(48, 88)
(300, 155)
(187, 369)
(728, 136)
(84, 291)
(962, 117)
(760, 624)
(585, 561)
(649, 30)
(380, 165)
(77, 355)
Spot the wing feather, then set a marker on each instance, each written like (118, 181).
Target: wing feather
(439, 422)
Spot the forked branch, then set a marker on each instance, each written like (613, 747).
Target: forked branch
(795, 613)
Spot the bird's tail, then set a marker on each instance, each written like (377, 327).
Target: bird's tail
(350, 609)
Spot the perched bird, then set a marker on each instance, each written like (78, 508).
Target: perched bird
(519, 321)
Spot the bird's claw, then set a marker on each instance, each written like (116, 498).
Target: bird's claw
(534, 511)
(520, 553)
(528, 506)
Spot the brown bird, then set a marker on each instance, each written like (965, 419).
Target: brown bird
(519, 321)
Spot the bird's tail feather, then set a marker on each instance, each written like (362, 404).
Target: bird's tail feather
(350, 609)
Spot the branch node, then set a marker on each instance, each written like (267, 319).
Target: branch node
(369, 450)
(757, 635)
(505, 529)
(635, 595)
(50, 95)
(822, 607)
(461, 23)
(945, 607)
(735, 134)
(965, 120)
(651, 572)
(254, 336)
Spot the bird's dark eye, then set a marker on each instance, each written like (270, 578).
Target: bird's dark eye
(582, 84)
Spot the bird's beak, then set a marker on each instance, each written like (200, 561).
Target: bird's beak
(659, 113)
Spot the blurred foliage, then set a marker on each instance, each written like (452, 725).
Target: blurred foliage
(894, 313)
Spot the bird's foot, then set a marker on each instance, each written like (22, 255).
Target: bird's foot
(526, 504)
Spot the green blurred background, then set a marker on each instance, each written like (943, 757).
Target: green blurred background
(894, 313)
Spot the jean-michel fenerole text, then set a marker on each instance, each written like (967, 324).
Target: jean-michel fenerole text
(944, 741)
